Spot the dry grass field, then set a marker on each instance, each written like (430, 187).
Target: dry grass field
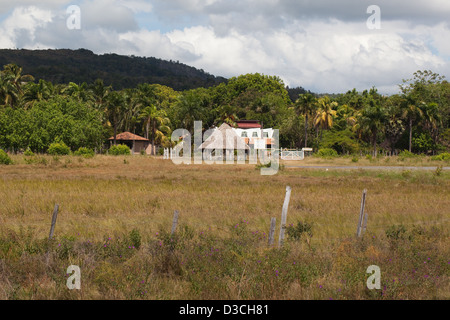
(116, 213)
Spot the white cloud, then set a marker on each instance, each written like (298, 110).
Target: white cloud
(303, 44)
(6, 5)
(20, 27)
(324, 56)
(107, 14)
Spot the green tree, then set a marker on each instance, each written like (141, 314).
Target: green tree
(115, 108)
(373, 118)
(411, 112)
(33, 92)
(11, 84)
(306, 105)
(325, 113)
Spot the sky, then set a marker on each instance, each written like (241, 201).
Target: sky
(325, 46)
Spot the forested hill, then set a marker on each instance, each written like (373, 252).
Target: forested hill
(78, 66)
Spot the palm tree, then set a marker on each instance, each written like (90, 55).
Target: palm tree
(373, 119)
(158, 121)
(226, 113)
(43, 90)
(100, 93)
(325, 113)
(132, 110)
(8, 92)
(395, 127)
(306, 104)
(411, 112)
(432, 119)
(82, 92)
(16, 77)
(115, 108)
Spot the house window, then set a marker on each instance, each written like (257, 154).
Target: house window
(265, 134)
(244, 134)
(255, 135)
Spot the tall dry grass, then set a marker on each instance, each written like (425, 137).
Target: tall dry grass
(220, 251)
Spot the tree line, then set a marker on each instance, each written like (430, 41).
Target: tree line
(82, 65)
(36, 113)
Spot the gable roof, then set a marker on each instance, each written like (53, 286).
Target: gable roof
(224, 138)
(129, 137)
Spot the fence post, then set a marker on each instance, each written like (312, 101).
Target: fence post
(362, 219)
(174, 222)
(52, 227)
(284, 215)
(273, 224)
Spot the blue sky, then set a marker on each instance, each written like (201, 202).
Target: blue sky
(322, 45)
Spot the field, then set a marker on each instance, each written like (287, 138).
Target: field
(116, 215)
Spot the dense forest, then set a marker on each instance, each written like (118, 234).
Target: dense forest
(35, 112)
(63, 66)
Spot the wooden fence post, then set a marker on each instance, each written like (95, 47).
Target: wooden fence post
(175, 221)
(52, 227)
(362, 219)
(273, 224)
(284, 215)
(364, 227)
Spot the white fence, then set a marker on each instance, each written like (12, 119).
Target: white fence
(292, 154)
(284, 154)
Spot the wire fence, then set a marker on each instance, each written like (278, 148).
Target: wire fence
(264, 234)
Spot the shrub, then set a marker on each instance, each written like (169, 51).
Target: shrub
(135, 238)
(396, 232)
(441, 157)
(406, 154)
(4, 158)
(120, 149)
(85, 152)
(28, 153)
(438, 171)
(296, 232)
(58, 148)
(327, 153)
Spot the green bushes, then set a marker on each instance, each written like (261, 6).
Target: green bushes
(85, 152)
(405, 154)
(119, 149)
(296, 232)
(4, 158)
(441, 157)
(326, 153)
(28, 153)
(58, 148)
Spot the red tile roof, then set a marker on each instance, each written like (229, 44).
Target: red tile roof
(247, 124)
(128, 136)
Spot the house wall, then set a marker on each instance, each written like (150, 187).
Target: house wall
(139, 146)
(252, 131)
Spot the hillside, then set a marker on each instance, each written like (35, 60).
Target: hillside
(63, 66)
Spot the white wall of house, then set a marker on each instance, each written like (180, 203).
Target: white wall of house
(254, 132)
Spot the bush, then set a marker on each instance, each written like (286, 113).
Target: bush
(58, 149)
(396, 232)
(28, 153)
(135, 238)
(327, 153)
(119, 149)
(296, 232)
(406, 154)
(441, 157)
(85, 152)
(4, 158)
